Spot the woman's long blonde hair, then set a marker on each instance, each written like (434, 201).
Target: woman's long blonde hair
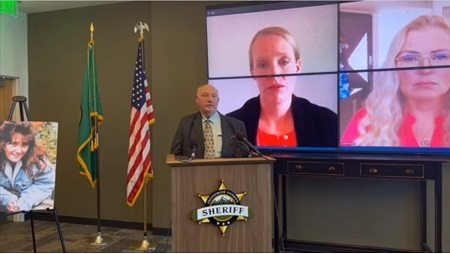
(384, 107)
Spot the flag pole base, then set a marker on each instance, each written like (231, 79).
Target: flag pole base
(99, 240)
(146, 245)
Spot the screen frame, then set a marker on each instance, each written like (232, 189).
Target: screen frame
(235, 8)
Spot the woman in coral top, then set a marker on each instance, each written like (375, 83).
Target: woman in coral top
(277, 117)
(417, 113)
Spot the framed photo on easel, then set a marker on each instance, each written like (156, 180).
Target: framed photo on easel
(27, 165)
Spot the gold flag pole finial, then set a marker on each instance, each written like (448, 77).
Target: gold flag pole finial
(92, 34)
(141, 26)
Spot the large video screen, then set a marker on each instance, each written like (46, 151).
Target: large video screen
(366, 76)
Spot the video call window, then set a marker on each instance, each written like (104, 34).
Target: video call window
(396, 58)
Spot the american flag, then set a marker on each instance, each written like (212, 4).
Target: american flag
(142, 116)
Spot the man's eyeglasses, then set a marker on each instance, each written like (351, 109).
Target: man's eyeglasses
(415, 60)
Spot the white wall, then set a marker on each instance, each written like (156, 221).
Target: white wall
(387, 24)
(14, 49)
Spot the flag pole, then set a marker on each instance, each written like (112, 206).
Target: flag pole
(99, 239)
(145, 244)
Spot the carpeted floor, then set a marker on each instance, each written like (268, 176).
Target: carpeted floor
(17, 237)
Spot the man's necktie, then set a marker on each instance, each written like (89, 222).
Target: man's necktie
(209, 141)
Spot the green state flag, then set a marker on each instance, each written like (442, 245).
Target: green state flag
(91, 111)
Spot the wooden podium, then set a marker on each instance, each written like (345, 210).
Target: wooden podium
(203, 177)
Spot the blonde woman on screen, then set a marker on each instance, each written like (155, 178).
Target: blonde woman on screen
(277, 117)
(409, 107)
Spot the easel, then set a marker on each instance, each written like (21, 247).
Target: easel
(22, 100)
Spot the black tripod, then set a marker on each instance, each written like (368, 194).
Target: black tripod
(22, 100)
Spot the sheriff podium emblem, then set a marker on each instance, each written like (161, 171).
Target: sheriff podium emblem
(222, 208)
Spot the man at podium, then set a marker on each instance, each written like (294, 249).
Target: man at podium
(205, 134)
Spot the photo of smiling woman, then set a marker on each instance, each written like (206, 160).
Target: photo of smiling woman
(409, 107)
(27, 175)
(277, 117)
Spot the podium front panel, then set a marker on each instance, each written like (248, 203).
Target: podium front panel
(188, 182)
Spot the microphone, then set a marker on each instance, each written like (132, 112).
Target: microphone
(242, 138)
(183, 158)
(193, 142)
(239, 149)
